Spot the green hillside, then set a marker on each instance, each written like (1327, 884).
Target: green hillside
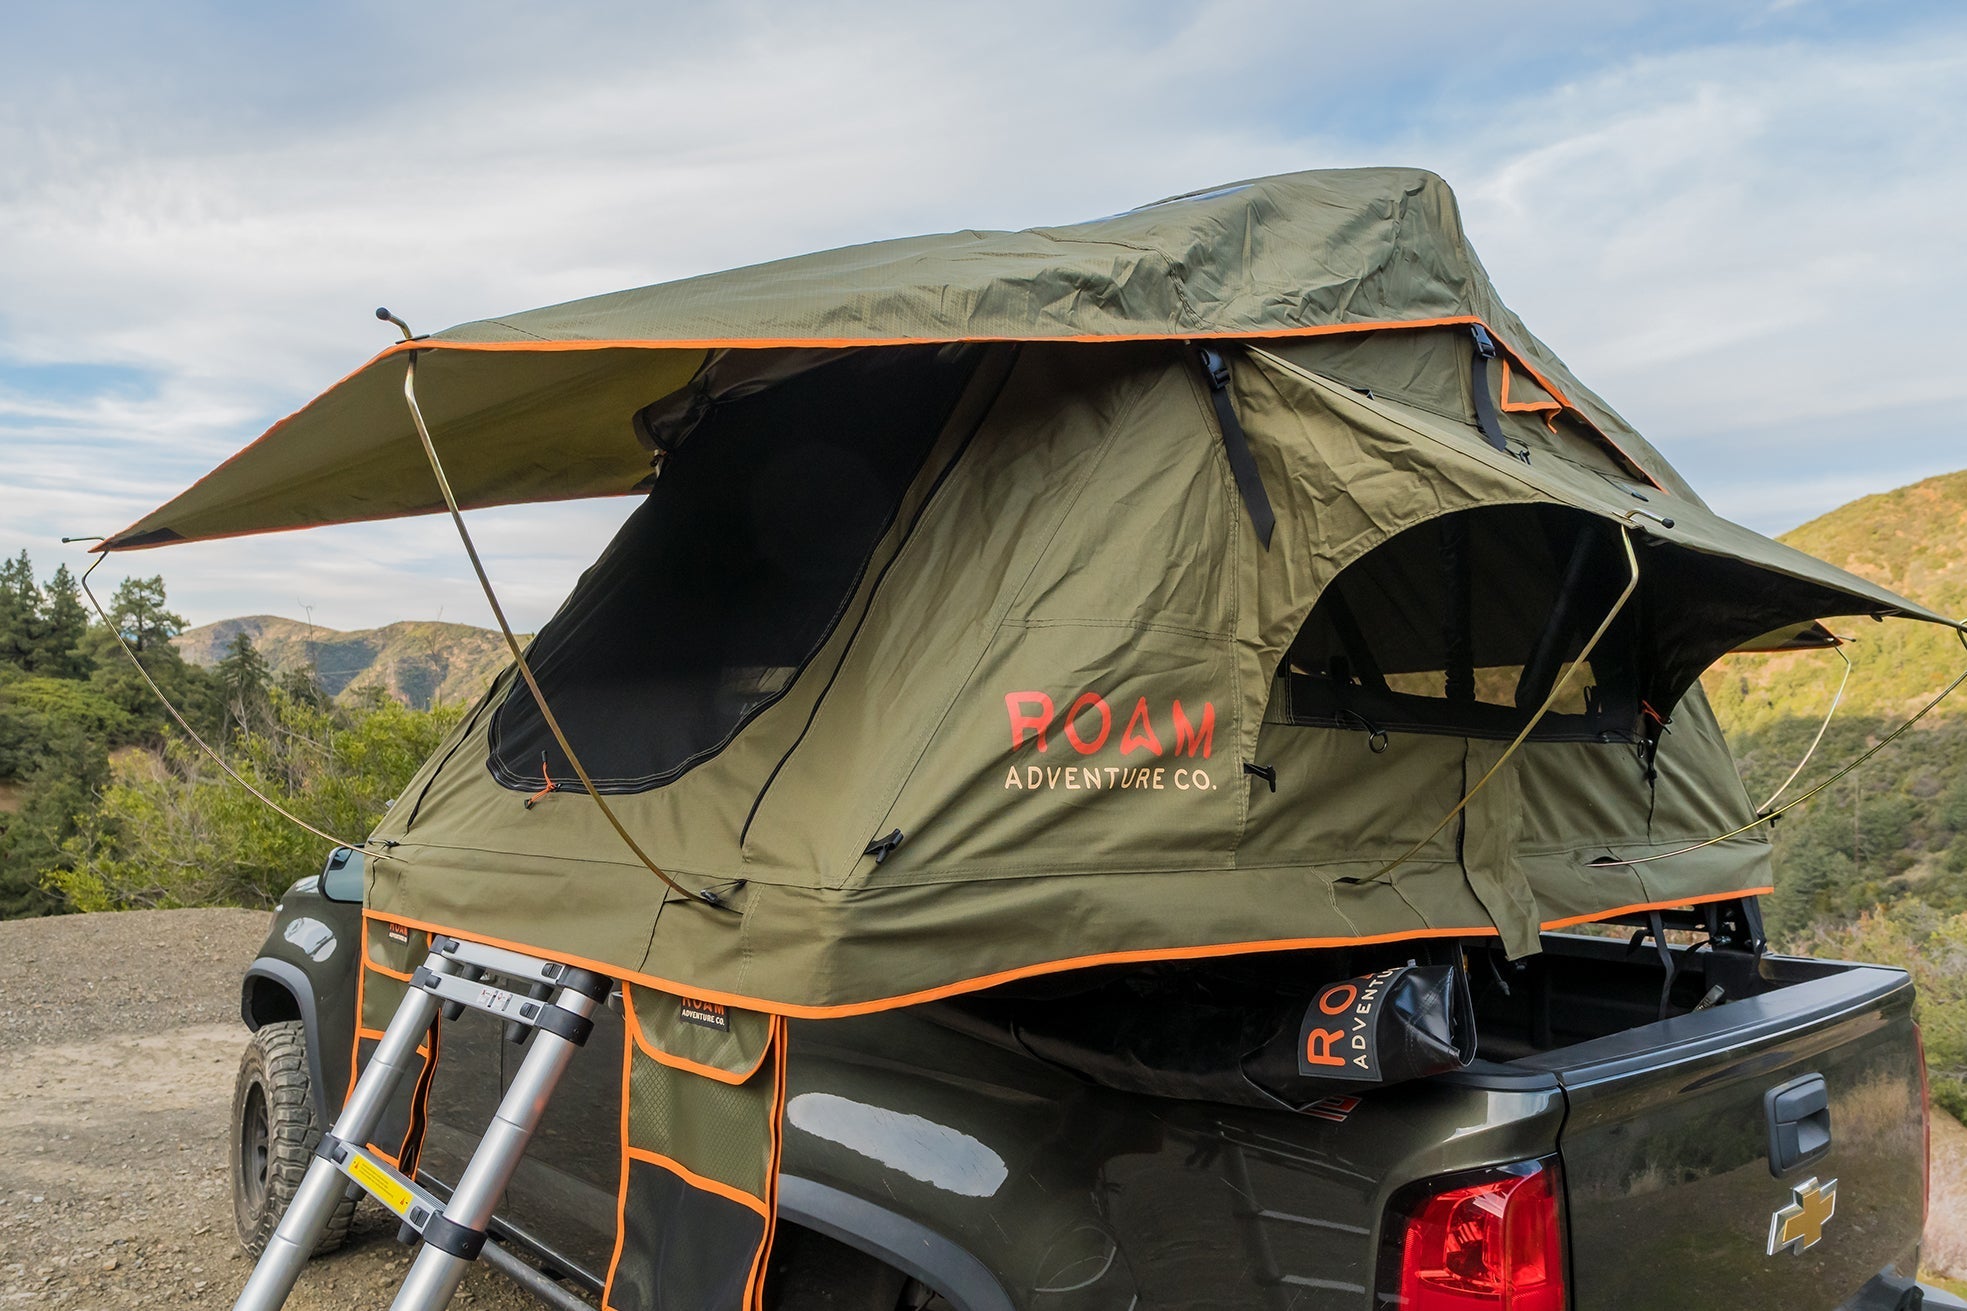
(418, 663)
(1874, 868)
(1913, 540)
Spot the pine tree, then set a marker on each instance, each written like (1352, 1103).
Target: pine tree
(63, 785)
(137, 610)
(20, 612)
(301, 686)
(243, 678)
(138, 615)
(64, 623)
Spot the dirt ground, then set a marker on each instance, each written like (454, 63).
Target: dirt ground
(119, 1039)
(1945, 1248)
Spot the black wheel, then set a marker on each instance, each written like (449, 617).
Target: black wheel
(273, 1136)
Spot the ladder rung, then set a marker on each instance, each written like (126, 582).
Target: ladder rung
(480, 996)
(499, 960)
(414, 1205)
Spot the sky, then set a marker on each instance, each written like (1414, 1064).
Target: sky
(1741, 224)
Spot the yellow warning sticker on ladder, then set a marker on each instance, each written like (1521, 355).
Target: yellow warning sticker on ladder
(380, 1183)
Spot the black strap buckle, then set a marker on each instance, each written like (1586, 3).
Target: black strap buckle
(1268, 773)
(1215, 367)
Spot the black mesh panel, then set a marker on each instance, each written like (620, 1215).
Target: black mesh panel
(1464, 625)
(733, 573)
(683, 1248)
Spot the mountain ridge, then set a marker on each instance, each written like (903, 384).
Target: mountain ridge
(418, 662)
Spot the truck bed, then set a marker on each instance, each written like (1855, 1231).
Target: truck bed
(943, 1121)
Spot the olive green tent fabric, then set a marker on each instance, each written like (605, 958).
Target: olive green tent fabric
(1066, 709)
(1049, 685)
(513, 429)
(536, 405)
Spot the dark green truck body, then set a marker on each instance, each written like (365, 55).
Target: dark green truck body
(933, 1140)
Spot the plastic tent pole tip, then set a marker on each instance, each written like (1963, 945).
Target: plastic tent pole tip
(382, 312)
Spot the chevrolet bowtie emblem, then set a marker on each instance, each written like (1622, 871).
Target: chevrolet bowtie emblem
(1799, 1226)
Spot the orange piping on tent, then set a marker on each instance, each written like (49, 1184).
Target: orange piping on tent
(621, 1191)
(800, 1011)
(1677, 904)
(754, 1287)
(1518, 407)
(1146, 955)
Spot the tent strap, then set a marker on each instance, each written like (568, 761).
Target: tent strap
(1816, 741)
(1478, 386)
(1236, 445)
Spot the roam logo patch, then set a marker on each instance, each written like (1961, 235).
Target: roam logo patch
(1403, 1023)
(704, 1014)
(1339, 1034)
(1087, 728)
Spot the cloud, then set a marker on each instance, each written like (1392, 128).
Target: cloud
(1750, 251)
(1733, 232)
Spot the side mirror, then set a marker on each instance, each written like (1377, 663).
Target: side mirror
(343, 876)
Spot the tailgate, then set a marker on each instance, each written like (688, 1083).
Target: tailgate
(1667, 1148)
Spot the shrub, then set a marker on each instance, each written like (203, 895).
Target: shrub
(172, 830)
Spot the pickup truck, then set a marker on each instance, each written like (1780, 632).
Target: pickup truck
(1677, 1119)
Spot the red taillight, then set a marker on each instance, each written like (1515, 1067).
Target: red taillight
(1495, 1244)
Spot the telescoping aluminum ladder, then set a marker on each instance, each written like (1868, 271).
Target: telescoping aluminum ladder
(553, 1003)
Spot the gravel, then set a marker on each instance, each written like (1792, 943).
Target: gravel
(119, 1040)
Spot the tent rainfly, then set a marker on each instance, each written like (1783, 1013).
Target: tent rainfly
(1000, 603)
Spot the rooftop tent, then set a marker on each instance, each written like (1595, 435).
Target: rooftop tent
(943, 645)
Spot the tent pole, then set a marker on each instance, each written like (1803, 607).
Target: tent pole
(1960, 631)
(512, 643)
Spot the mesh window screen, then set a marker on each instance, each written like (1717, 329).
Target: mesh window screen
(1464, 625)
(731, 575)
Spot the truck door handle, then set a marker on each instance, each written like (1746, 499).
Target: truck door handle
(1799, 1122)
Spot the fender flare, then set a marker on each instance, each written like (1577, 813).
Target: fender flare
(289, 979)
(905, 1244)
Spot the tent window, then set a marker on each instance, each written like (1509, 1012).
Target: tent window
(728, 579)
(1464, 625)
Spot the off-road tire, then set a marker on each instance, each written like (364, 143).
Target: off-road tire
(273, 1136)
